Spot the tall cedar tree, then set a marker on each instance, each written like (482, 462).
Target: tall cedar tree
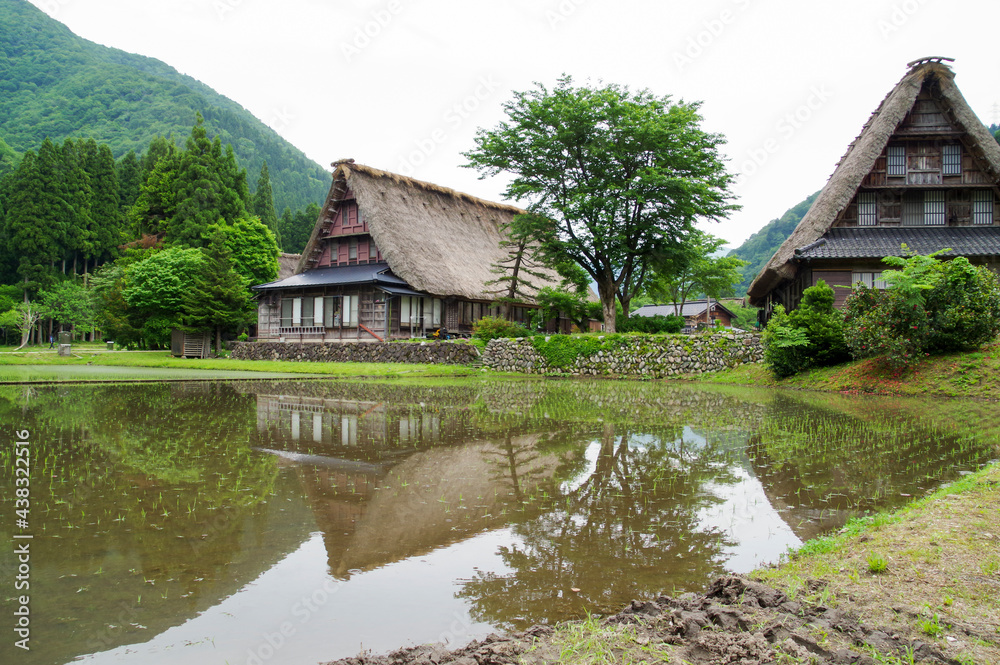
(156, 203)
(263, 203)
(207, 189)
(36, 214)
(129, 180)
(295, 228)
(218, 299)
(105, 206)
(78, 195)
(610, 175)
(519, 272)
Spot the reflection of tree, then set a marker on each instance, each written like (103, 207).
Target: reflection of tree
(147, 495)
(629, 529)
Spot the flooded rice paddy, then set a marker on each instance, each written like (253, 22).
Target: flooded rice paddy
(301, 521)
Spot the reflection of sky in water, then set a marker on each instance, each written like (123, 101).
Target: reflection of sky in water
(404, 603)
(744, 514)
(745, 517)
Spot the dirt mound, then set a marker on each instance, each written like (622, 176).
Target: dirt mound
(737, 621)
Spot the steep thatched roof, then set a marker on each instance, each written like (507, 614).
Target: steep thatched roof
(860, 159)
(440, 241)
(287, 263)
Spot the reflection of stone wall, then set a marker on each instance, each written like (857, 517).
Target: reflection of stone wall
(360, 352)
(646, 356)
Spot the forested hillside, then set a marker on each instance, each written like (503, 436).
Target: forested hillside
(759, 247)
(54, 84)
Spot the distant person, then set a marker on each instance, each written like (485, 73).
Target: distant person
(52, 341)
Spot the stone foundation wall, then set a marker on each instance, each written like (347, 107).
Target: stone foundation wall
(656, 357)
(361, 352)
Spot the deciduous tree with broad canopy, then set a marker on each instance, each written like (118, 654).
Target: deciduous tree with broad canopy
(609, 177)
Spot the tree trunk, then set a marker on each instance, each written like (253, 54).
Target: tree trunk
(218, 340)
(607, 293)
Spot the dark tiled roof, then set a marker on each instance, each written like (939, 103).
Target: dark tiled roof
(371, 273)
(874, 243)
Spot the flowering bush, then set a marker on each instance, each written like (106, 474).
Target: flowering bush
(930, 307)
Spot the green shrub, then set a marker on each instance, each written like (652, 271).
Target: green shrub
(492, 327)
(810, 336)
(785, 346)
(658, 324)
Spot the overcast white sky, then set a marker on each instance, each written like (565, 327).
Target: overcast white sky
(402, 85)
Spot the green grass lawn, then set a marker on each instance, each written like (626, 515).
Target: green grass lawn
(43, 364)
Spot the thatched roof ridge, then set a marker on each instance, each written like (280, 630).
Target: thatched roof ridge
(440, 241)
(860, 159)
(406, 181)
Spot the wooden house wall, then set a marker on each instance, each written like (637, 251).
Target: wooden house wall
(374, 307)
(905, 207)
(835, 278)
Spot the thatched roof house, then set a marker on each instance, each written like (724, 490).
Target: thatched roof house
(390, 256)
(924, 171)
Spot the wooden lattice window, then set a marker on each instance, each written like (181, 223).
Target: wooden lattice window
(934, 208)
(896, 162)
(952, 159)
(867, 209)
(873, 280)
(982, 206)
(913, 208)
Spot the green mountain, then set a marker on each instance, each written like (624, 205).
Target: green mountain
(759, 247)
(58, 85)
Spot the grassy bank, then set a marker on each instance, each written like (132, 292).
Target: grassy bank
(128, 365)
(971, 374)
(929, 573)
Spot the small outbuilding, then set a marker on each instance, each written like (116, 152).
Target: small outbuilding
(695, 312)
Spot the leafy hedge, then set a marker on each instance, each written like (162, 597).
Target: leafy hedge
(492, 327)
(651, 324)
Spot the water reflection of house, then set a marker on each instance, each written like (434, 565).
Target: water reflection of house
(387, 482)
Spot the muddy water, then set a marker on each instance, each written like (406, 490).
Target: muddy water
(295, 522)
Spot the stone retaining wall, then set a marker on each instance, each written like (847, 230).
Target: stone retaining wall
(658, 356)
(361, 352)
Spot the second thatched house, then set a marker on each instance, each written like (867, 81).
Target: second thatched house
(924, 172)
(390, 257)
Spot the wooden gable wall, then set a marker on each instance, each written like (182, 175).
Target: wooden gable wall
(924, 141)
(348, 229)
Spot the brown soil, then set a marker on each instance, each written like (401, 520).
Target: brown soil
(936, 601)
